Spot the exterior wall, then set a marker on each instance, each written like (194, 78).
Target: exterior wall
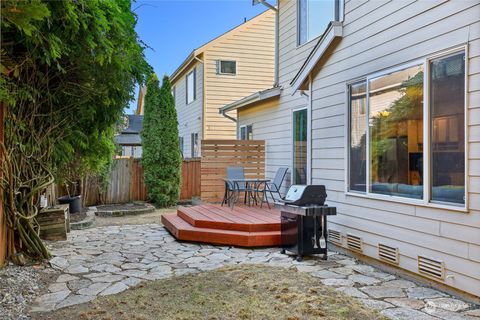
(252, 47)
(190, 117)
(379, 35)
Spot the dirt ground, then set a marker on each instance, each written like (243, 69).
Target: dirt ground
(241, 292)
(144, 218)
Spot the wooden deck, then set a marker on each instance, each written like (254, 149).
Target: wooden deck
(242, 226)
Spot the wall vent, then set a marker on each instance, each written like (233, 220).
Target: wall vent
(354, 243)
(335, 236)
(388, 254)
(431, 268)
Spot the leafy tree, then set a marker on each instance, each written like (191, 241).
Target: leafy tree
(68, 70)
(161, 158)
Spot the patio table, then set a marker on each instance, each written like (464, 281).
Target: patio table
(252, 188)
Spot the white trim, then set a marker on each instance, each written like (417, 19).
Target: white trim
(309, 131)
(427, 183)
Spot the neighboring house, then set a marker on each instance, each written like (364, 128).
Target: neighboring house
(129, 140)
(382, 105)
(231, 66)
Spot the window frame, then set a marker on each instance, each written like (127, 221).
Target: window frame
(219, 67)
(338, 15)
(426, 201)
(308, 176)
(194, 74)
(194, 137)
(245, 126)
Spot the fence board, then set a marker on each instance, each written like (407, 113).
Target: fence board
(190, 186)
(217, 155)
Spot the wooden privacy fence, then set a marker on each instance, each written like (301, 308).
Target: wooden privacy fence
(217, 155)
(190, 186)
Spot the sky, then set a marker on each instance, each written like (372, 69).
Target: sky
(173, 28)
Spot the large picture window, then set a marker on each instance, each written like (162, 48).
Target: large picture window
(300, 143)
(388, 126)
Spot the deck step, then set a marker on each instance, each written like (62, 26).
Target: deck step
(183, 230)
(242, 219)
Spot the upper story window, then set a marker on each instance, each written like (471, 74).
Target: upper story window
(314, 17)
(191, 92)
(226, 67)
(400, 148)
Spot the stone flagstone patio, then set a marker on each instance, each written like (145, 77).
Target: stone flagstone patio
(108, 260)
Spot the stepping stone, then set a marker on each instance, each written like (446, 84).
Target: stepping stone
(363, 280)
(400, 283)
(56, 287)
(94, 289)
(114, 289)
(473, 313)
(352, 292)
(424, 293)
(75, 285)
(449, 304)
(59, 263)
(131, 282)
(445, 315)
(407, 303)
(52, 298)
(73, 300)
(343, 270)
(76, 269)
(406, 314)
(326, 274)
(337, 282)
(376, 304)
(380, 292)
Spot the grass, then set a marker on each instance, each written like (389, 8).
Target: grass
(245, 292)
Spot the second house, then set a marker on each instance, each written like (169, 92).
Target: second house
(229, 67)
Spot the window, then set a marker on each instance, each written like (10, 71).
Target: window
(226, 67)
(314, 17)
(387, 151)
(191, 86)
(300, 143)
(246, 133)
(194, 145)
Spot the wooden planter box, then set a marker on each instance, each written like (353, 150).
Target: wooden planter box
(54, 222)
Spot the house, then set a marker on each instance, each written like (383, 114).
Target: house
(129, 139)
(231, 66)
(380, 102)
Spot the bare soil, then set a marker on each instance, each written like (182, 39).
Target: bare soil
(241, 292)
(144, 218)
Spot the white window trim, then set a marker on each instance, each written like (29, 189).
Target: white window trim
(425, 202)
(219, 66)
(240, 131)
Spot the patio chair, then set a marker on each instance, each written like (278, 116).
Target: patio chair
(232, 190)
(274, 186)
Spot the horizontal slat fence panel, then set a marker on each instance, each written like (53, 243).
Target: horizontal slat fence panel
(217, 155)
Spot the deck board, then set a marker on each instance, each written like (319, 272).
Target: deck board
(242, 226)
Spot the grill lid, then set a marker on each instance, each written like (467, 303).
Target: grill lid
(302, 195)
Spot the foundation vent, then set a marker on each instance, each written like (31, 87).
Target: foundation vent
(431, 268)
(388, 254)
(354, 243)
(335, 236)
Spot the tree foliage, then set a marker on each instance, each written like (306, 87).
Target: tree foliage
(161, 158)
(68, 70)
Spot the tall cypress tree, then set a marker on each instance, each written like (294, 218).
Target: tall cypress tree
(161, 158)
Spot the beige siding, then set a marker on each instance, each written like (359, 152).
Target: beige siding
(189, 116)
(252, 47)
(379, 35)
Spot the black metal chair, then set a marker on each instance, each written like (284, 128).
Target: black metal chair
(233, 189)
(274, 186)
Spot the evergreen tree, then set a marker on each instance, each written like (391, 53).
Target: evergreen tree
(161, 158)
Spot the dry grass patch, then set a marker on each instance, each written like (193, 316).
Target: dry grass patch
(242, 292)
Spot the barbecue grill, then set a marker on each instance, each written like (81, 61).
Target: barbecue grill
(304, 220)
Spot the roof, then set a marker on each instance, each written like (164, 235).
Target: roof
(333, 32)
(251, 99)
(131, 134)
(198, 51)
